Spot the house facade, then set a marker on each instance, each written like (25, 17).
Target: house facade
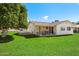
(56, 28)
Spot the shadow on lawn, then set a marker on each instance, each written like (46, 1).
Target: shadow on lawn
(6, 39)
(34, 36)
(60, 35)
(27, 36)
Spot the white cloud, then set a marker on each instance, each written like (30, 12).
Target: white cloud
(45, 17)
(42, 19)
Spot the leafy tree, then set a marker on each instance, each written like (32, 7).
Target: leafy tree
(78, 22)
(56, 20)
(12, 15)
(22, 17)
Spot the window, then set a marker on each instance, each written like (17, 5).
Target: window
(62, 29)
(68, 28)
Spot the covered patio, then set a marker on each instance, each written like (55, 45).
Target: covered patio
(76, 28)
(44, 30)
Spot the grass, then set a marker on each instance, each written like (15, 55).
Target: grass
(16, 45)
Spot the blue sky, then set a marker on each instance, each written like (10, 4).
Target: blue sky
(48, 12)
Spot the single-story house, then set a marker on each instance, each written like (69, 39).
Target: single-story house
(55, 28)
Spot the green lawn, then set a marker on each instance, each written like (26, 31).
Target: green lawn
(16, 45)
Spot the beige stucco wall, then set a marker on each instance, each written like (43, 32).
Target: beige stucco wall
(65, 25)
(54, 30)
(31, 28)
(34, 29)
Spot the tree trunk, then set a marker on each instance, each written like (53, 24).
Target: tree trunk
(4, 32)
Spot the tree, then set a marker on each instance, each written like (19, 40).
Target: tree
(56, 20)
(78, 22)
(12, 15)
(22, 17)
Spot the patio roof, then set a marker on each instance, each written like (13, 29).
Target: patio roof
(76, 26)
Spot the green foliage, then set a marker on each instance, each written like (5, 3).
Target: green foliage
(77, 22)
(12, 15)
(22, 17)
